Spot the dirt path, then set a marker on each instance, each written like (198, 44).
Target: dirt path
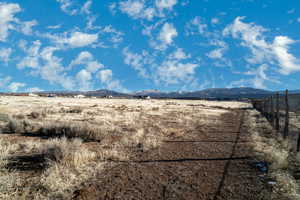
(210, 165)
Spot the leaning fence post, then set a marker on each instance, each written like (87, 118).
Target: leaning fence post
(277, 112)
(286, 124)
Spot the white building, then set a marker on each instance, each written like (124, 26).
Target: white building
(79, 96)
(33, 95)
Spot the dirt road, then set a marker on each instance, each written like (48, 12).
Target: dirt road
(212, 164)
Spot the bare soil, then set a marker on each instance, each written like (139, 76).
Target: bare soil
(212, 165)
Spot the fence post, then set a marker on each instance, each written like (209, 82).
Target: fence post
(264, 107)
(286, 124)
(272, 111)
(277, 112)
(298, 143)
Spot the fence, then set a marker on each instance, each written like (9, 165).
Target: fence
(280, 110)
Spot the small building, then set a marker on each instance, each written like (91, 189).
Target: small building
(79, 96)
(32, 95)
(148, 97)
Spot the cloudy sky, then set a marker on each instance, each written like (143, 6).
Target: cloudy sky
(131, 45)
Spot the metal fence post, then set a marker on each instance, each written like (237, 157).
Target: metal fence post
(272, 111)
(277, 112)
(286, 124)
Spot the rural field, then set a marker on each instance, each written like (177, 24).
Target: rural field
(67, 148)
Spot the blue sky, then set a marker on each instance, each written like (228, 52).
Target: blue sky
(132, 45)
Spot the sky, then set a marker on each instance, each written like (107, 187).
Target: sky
(133, 45)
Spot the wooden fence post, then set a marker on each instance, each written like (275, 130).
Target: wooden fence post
(286, 124)
(277, 112)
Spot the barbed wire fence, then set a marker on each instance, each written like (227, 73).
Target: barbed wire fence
(283, 113)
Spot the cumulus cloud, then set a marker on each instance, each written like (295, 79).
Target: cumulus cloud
(74, 39)
(5, 54)
(165, 37)
(263, 51)
(4, 81)
(67, 7)
(175, 70)
(84, 78)
(196, 27)
(215, 20)
(15, 86)
(141, 9)
(179, 54)
(34, 89)
(87, 59)
(136, 61)
(288, 62)
(86, 7)
(54, 26)
(53, 71)
(26, 27)
(7, 12)
(172, 72)
(133, 8)
(165, 4)
(106, 77)
(79, 39)
(167, 33)
(31, 60)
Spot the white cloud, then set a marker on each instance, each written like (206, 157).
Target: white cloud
(87, 59)
(141, 9)
(15, 86)
(165, 4)
(133, 8)
(167, 33)
(32, 58)
(34, 89)
(136, 61)
(84, 78)
(215, 20)
(53, 71)
(54, 27)
(264, 52)
(5, 54)
(179, 54)
(82, 58)
(7, 12)
(79, 39)
(106, 77)
(287, 61)
(173, 72)
(196, 27)
(4, 81)
(165, 37)
(26, 27)
(86, 7)
(66, 6)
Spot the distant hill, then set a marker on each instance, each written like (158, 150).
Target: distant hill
(212, 93)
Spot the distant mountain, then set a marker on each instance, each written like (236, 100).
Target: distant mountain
(103, 93)
(212, 93)
(95, 93)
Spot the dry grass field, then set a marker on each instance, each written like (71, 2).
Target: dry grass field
(66, 148)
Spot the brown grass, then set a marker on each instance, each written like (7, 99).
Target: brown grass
(271, 147)
(78, 137)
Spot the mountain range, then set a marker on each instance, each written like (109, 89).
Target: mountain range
(212, 93)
